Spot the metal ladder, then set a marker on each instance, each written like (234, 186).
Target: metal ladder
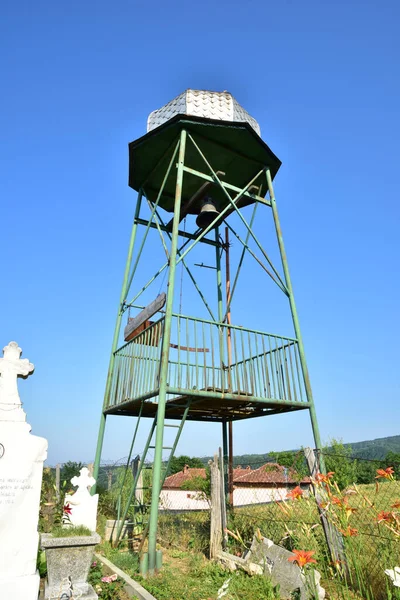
(142, 509)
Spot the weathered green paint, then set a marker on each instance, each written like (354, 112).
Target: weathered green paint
(124, 292)
(296, 324)
(164, 361)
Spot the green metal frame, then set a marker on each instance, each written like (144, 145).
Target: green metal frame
(174, 256)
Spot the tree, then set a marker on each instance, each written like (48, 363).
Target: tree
(392, 459)
(338, 458)
(292, 460)
(69, 470)
(178, 463)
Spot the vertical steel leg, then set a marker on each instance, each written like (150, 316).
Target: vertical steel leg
(295, 318)
(157, 467)
(124, 293)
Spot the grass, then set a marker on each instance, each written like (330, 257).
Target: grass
(293, 524)
(190, 576)
(78, 530)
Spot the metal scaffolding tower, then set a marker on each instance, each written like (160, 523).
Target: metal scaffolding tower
(203, 156)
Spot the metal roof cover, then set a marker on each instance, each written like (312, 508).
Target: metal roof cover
(202, 103)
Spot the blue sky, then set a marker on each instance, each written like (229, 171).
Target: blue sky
(78, 82)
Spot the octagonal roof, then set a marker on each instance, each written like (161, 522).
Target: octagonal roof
(205, 104)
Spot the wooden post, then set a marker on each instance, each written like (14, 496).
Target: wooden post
(333, 537)
(223, 500)
(58, 470)
(216, 513)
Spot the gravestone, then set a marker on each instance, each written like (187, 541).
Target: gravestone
(276, 564)
(83, 506)
(21, 468)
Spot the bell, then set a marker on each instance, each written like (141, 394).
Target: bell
(207, 213)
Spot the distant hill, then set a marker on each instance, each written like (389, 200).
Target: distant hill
(370, 449)
(376, 448)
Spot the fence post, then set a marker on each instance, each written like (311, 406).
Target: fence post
(223, 500)
(216, 520)
(333, 537)
(58, 469)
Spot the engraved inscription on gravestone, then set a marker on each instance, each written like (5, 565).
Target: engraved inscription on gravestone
(21, 467)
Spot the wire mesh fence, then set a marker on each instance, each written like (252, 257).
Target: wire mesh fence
(360, 499)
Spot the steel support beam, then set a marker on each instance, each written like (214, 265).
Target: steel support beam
(295, 318)
(157, 467)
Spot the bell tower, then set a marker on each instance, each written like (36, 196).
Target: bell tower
(201, 166)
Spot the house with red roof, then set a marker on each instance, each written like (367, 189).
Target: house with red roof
(269, 483)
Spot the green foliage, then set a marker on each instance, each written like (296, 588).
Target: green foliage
(106, 506)
(199, 484)
(69, 470)
(192, 577)
(292, 460)
(78, 530)
(41, 563)
(392, 459)
(337, 459)
(179, 462)
(106, 590)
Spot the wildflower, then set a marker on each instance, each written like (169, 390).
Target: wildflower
(337, 501)
(385, 473)
(384, 516)
(394, 575)
(396, 504)
(349, 531)
(67, 509)
(295, 494)
(322, 478)
(109, 578)
(302, 557)
(94, 564)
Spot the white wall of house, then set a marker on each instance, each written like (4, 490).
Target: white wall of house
(243, 496)
(182, 500)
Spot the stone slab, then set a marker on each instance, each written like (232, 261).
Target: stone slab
(83, 592)
(68, 557)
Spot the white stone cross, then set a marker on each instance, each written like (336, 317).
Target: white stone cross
(11, 367)
(84, 481)
(83, 506)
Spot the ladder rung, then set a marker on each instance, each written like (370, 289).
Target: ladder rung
(164, 447)
(168, 425)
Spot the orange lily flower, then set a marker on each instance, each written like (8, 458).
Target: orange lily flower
(338, 501)
(349, 531)
(385, 473)
(396, 504)
(322, 478)
(302, 557)
(295, 494)
(384, 516)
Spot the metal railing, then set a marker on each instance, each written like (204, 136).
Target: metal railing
(136, 366)
(215, 357)
(206, 356)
